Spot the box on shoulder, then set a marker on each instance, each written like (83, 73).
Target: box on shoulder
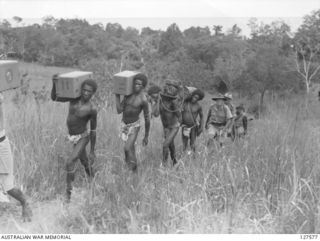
(69, 84)
(123, 82)
(9, 74)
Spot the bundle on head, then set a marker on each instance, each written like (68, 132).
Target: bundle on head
(155, 89)
(171, 82)
(171, 88)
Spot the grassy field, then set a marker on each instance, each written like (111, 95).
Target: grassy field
(268, 183)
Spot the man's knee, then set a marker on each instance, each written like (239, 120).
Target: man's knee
(166, 144)
(70, 166)
(127, 148)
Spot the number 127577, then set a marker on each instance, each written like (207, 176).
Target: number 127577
(308, 236)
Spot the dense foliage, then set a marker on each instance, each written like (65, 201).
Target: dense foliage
(272, 59)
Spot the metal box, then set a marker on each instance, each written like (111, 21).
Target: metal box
(69, 84)
(9, 74)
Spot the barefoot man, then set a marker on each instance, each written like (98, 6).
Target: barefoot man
(6, 170)
(190, 125)
(131, 106)
(170, 113)
(81, 112)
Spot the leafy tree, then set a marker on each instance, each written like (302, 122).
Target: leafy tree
(196, 32)
(266, 70)
(114, 29)
(307, 48)
(217, 30)
(231, 63)
(171, 40)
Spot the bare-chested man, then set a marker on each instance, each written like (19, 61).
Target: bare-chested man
(131, 106)
(170, 113)
(81, 112)
(191, 128)
(153, 98)
(6, 170)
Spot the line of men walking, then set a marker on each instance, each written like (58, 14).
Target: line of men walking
(175, 111)
(166, 103)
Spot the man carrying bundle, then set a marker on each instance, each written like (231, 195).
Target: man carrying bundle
(190, 126)
(170, 114)
(131, 106)
(6, 170)
(81, 112)
(218, 121)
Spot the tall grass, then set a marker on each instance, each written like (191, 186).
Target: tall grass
(267, 183)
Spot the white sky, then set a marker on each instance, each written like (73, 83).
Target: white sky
(161, 13)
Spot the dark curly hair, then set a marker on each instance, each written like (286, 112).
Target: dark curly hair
(141, 77)
(91, 83)
(198, 92)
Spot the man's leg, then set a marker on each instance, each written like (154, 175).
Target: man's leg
(184, 140)
(86, 163)
(130, 151)
(71, 164)
(170, 138)
(212, 134)
(193, 137)
(17, 194)
(165, 146)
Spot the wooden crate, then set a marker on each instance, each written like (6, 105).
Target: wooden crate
(69, 84)
(9, 74)
(123, 82)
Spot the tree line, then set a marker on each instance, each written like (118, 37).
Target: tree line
(272, 58)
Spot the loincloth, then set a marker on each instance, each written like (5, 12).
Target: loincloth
(187, 130)
(128, 129)
(74, 139)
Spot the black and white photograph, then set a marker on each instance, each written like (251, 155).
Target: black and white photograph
(159, 117)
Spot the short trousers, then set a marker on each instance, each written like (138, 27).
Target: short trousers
(6, 166)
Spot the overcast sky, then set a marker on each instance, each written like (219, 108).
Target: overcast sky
(158, 14)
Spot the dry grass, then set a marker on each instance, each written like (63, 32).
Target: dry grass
(268, 183)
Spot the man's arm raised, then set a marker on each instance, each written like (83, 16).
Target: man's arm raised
(119, 105)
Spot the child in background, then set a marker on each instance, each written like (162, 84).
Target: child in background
(240, 123)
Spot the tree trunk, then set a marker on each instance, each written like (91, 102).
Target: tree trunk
(307, 86)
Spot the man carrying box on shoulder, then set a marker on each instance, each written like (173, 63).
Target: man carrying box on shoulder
(6, 170)
(131, 106)
(81, 111)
